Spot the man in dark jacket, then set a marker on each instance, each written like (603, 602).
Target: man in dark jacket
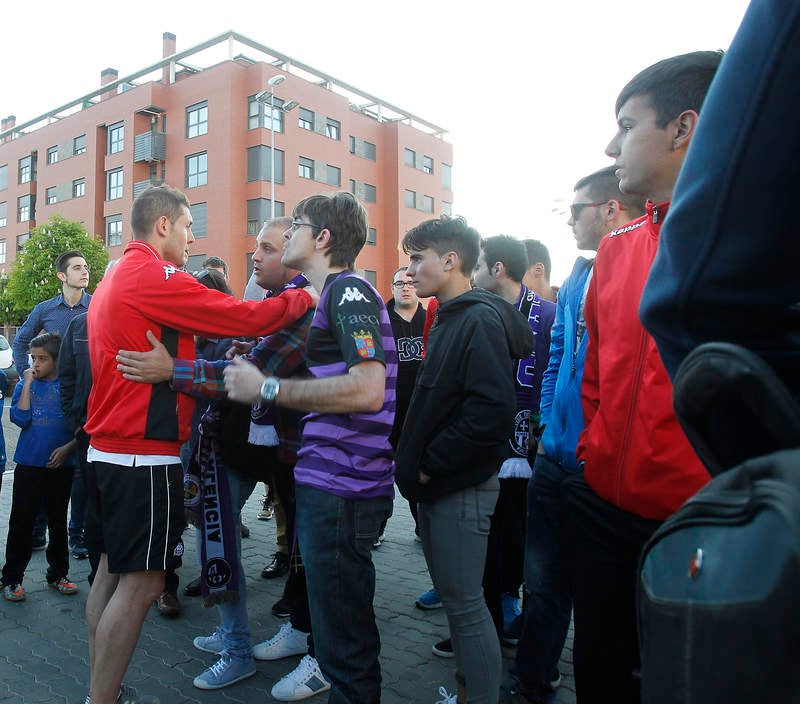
(455, 435)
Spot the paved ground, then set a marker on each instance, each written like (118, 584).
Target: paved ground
(43, 650)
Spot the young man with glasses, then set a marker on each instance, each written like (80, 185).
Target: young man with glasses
(597, 209)
(345, 471)
(638, 466)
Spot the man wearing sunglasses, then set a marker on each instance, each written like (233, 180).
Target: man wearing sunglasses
(597, 209)
(345, 470)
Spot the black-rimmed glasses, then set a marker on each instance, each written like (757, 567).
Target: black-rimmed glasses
(403, 284)
(296, 225)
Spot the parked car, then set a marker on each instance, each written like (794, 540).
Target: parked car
(7, 365)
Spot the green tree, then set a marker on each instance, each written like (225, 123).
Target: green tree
(33, 277)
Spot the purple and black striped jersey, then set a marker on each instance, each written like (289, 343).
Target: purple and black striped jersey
(349, 455)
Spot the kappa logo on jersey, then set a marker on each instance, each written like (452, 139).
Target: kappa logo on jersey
(365, 344)
(169, 270)
(353, 295)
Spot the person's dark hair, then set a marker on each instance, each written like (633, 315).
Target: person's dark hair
(510, 251)
(50, 342)
(344, 217)
(673, 85)
(216, 263)
(211, 278)
(446, 234)
(151, 204)
(62, 260)
(603, 185)
(537, 252)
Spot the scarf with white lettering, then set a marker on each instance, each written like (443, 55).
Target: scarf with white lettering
(207, 500)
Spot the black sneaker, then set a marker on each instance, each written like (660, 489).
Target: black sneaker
(444, 648)
(282, 608)
(193, 588)
(278, 567)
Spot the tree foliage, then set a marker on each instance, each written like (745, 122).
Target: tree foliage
(33, 277)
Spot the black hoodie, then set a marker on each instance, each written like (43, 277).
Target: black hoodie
(463, 402)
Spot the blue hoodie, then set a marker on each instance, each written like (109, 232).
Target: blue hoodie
(561, 411)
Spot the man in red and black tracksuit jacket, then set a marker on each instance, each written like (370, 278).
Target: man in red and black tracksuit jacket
(638, 466)
(137, 429)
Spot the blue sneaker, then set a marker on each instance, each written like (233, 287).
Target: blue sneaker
(210, 644)
(224, 672)
(510, 609)
(428, 601)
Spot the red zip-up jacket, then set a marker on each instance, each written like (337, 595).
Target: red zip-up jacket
(635, 453)
(145, 292)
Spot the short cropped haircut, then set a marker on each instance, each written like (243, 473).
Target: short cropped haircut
(603, 186)
(674, 85)
(538, 253)
(151, 204)
(62, 260)
(446, 234)
(344, 217)
(508, 250)
(50, 342)
(211, 278)
(283, 223)
(216, 263)
(397, 271)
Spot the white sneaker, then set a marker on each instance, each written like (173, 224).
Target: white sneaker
(303, 682)
(286, 642)
(448, 698)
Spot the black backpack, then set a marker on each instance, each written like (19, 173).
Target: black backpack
(719, 581)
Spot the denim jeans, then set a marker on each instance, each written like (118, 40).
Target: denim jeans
(233, 624)
(548, 602)
(455, 532)
(77, 499)
(336, 537)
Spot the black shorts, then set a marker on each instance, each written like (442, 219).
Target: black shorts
(136, 515)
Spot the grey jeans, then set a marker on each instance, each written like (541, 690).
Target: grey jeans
(455, 531)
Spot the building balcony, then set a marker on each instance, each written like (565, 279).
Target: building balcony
(150, 147)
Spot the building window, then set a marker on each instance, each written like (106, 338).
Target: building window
(2, 251)
(197, 119)
(79, 187)
(52, 155)
(79, 145)
(22, 239)
(426, 204)
(306, 119)
(199, 218)
(306, 169)
(363, 148)
(197, 170)
(371, 276)
(333, 175)
(3, 177)
(372, 235)
(116, 137)
(25, 208)
(113, 230)
(259, 164)
(26, 169)
(447, 176)
(259, 211)
(3, 214)
(427, 164)
(333, 128)
(114, 184)
(411, 157)
(447, 208)
(258, 114)
(411, 199)
(51, 196)
(364, 191)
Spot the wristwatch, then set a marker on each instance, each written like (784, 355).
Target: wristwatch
(269, 389)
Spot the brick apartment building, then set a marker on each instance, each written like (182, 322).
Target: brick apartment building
(204, 131)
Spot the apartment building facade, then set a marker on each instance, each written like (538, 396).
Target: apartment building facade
(209, 132)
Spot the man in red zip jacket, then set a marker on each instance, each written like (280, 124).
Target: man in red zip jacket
(638, 466)
(136, 430)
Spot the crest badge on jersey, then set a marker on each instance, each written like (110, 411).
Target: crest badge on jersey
(365, 344)
(519, 441)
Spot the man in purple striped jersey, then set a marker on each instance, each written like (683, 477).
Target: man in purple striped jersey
(345, 471)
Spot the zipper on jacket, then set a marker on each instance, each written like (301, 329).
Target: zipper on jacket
(634, 398)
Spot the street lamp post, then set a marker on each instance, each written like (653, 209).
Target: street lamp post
(262, 97)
